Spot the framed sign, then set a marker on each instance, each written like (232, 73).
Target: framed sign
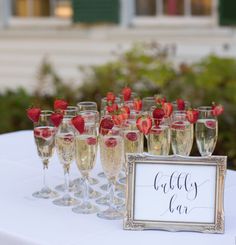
(175, 193)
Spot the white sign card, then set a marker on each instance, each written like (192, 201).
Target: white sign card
(175, 193)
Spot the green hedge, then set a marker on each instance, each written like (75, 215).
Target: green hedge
(148, 70)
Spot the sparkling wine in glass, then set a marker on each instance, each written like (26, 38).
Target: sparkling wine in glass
(111, 149)
(44, 136)
(206, 131)
(181, 134)
(70, 111)
(86, 151)
(65, 147)
(158, 140)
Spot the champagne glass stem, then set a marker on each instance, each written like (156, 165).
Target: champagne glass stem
(45, 167)
(86, 190)
(66, 177)
(111, 194)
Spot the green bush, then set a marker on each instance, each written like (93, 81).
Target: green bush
(148, 70)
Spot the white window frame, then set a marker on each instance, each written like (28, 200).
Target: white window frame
(160, 19)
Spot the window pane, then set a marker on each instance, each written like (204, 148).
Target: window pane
(173, 7)
(201, 7)
(146, 7)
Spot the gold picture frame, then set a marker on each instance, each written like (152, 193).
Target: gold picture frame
(216, 163)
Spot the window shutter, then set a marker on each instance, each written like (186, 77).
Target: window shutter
(95, 11)
(227, 12)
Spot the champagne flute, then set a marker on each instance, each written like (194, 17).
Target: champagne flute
(206, 131)
(90, 117)
(158, 140)
(86, 151)
(148, 102)
(65, 146)
(111, 148)
(87, 105)
(44, 136)
(181, 134)
(70, 111)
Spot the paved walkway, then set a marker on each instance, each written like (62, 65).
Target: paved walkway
(22, 49)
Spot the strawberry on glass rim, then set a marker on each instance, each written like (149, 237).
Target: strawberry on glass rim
(56, 119)
(106, 124)
(167, 108)
(144, 124)
(110, 108)
(160, 99)
(110, 97)
(60, 105)
(217, 110)
(126, 92)
(192, 115)
(33, 114)
(180, 104)
(78, 123)
(138, 104)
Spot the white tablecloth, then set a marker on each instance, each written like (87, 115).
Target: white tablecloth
(26, 220)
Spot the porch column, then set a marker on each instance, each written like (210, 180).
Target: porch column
(127, 11)
(5, 7)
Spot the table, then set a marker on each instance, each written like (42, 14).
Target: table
(25, 220)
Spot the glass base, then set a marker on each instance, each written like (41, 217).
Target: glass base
(72, 187)
(91, 180)
(122, 181)
(92, 194)
(45, 193)
(121, 194)
(105, 200)
(118, 187)
(101, 175)
(110, 214)
(66, 201)
(86, 208)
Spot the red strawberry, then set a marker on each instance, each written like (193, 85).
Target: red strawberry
(111, 108)
(118, 119)
(167, 108)
(111, 97)
(78, 122)
(56, 119)
(37, 132)
(217, 109)
(132, 136)
(126, 93)
(111, 142)
(46, 133)
(105, 125)
(125, 112)
(178, 125)
(192, 115)
(180, 104)
(144, 124)
(210, 124)
(91, 141)
(159, 99)
(33, 114)
(138, 104)
(158, 113)
(60, 105)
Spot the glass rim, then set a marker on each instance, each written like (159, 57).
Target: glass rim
(46, 113)
(71, 108)
(86, 103)
(204, 109)
(149, 98)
